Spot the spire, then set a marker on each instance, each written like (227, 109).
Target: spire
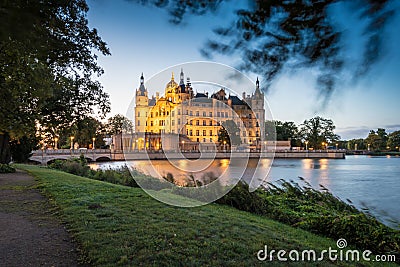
(182, 77)
(258, 93)
(142, 90)
(141, 79)
(172, 77)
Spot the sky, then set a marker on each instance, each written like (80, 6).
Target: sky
(141, 39)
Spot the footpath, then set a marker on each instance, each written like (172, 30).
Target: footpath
(30, 233)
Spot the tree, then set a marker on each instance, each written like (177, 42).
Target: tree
(272, 35)
(119, 124)
(286, 131)
(318, 130)
(229, 134)
(394, 140)
(47, 65)
(356, 144)
(377, 140)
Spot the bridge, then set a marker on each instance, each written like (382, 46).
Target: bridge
(49, 155)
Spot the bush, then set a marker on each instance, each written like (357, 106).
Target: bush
(6, 168)
(315, 211)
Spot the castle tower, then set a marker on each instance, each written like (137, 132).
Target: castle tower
(142, 106)
(257, 105)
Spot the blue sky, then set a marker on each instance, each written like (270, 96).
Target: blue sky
(142, 40)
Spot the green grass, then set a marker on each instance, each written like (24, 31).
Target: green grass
(118, 225)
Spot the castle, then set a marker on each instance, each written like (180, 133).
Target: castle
(196, 117)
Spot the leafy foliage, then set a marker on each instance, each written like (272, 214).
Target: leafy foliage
(47, 65)
(119, 124)
(229, 133)
(316, 211)
(394, 140)
(6, 168)
(21, 149)
(318, 130)
(272, 35)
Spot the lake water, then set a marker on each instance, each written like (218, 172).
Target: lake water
(372, 182)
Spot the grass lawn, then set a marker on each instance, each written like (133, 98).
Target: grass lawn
(118, 225)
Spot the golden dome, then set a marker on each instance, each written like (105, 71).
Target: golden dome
(172, 83)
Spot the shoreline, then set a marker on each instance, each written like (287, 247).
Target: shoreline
(98, 155)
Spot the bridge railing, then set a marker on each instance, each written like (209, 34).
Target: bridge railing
(69, 151)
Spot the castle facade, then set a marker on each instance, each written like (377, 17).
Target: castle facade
(198, 117)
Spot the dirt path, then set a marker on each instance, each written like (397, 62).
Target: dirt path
(30, 234)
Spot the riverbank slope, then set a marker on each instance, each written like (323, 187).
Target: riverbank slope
(121, 225)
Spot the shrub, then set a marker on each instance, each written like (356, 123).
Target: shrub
(315, 211)
(6, 168)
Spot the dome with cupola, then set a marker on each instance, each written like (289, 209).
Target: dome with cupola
(172, 84)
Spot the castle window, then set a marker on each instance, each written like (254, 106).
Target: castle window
(179, 112)
(211, 133)
(257, 124)
(138, 114)
(197, 139)
(197, 113)
(204, 140)
(204, 133)
(146, 123)
(138, 123)
(173, 113)
(204, 122)
(179, 121)
(156, 114)
(173, 122)
(197, 132)
(257, 115)
(151, 114)
(222, 114)
(191, 132)
(250, 116)
(210, 114)
(226, 114)
(167, 113)
(191, 113)
(210, 139)
(151, 123)
(218, 114)
(257, 133)
(204, 114)
(210, 122)
(197, 122)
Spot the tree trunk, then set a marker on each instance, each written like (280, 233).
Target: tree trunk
(5, 152)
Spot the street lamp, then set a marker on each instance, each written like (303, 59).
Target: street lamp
(224, 145)
(55, 142)
(323, 145)
(93, 139)
(369, 147)
(306, 142)
(72, 142)
(183, 145)
(337, 146)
